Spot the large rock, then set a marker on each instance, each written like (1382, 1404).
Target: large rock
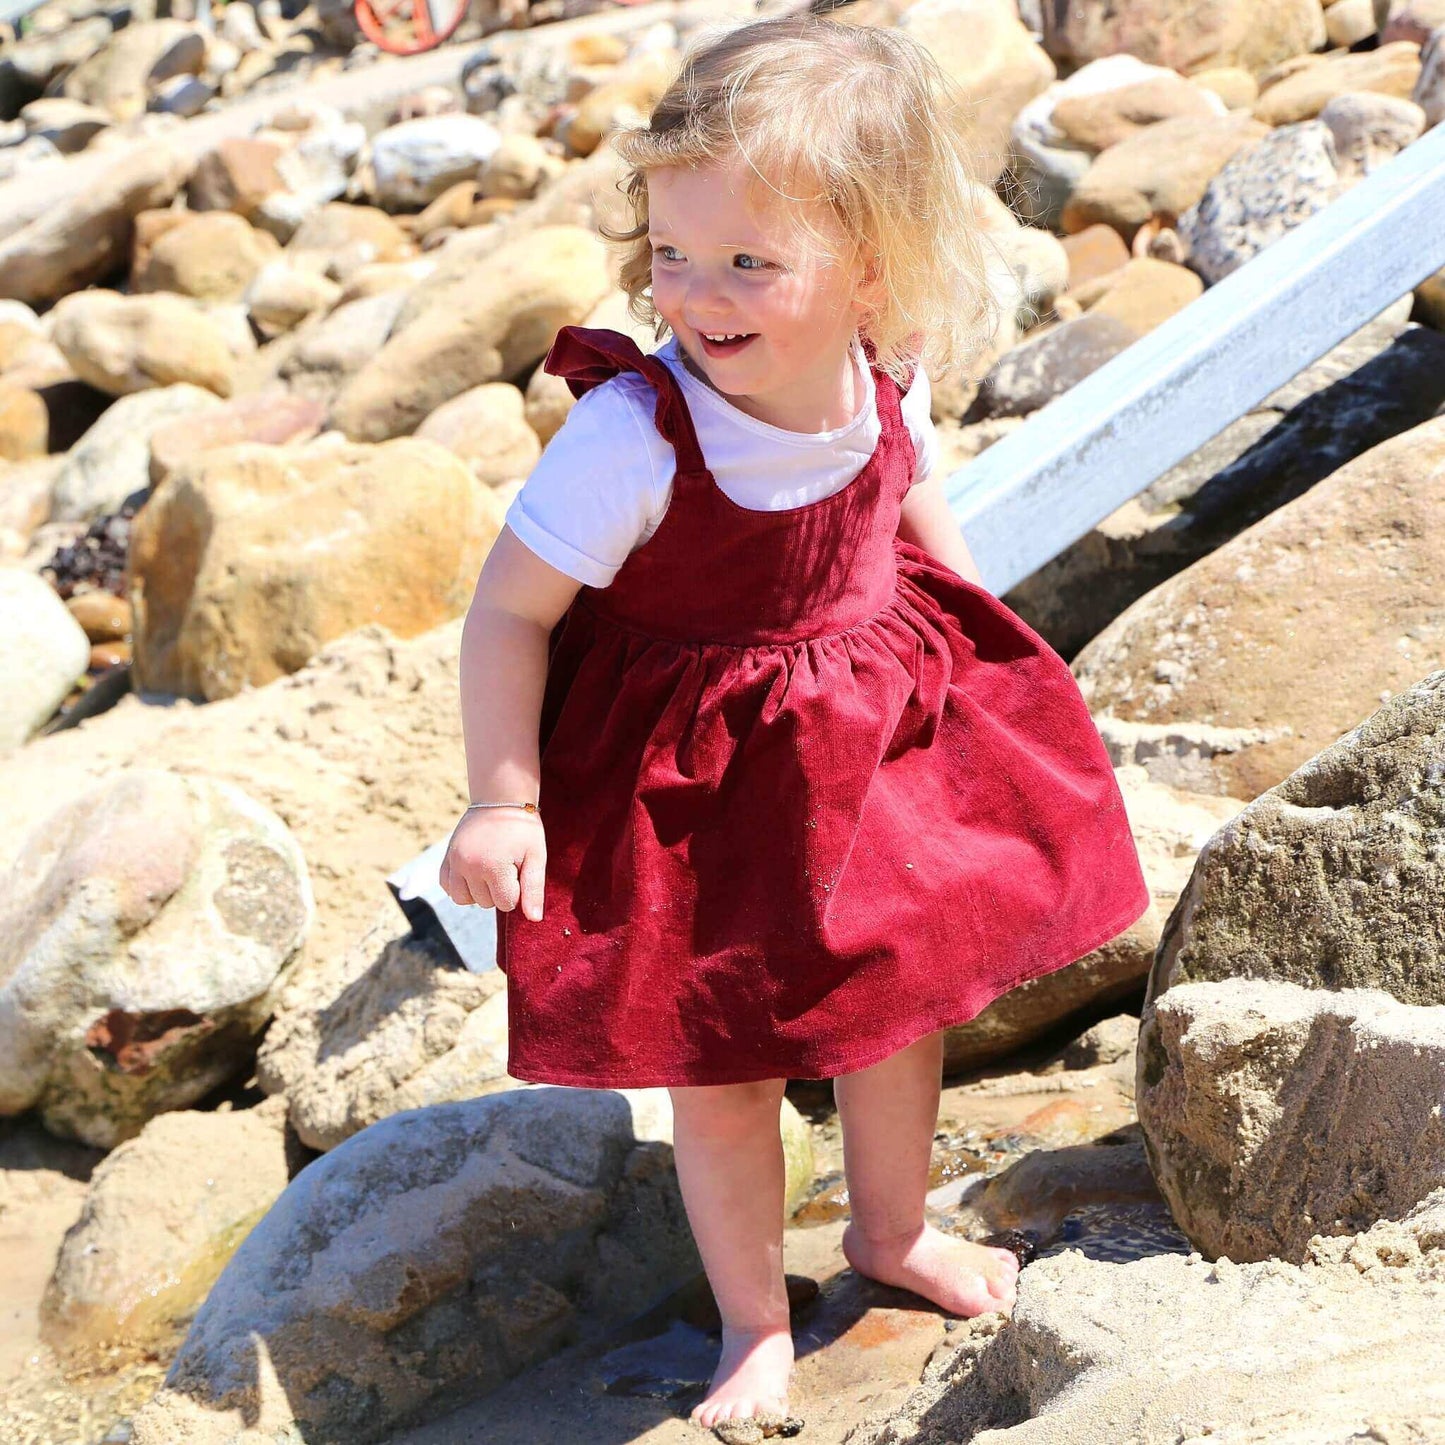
(239, 174)
(1097, 121)
(1041, 367)
(42, 652)
(331, 348)
(163, 1214)
(121, 344)
(1413, 20)
(87, 237)
(1145, 293)
(1159, 171)
(504, 322)
(338, 237)
(142, 928)
(247, 560)
(27, 66)
(1184, 34)
(1046, 162)
(991, 57)
(1334, 879)
(112, 460)
(1171, 1347)
(273, 418)
(1370, 129)
(1275, 1112)
(118, 77)
(1390, 70)
(1383, 380)
(24, 423)
(414, 162)
(390, 1023)
(1170, 825)
(426, 1260)
(1262, 193)
(1304, 621)
(487, 428)
(213, 257)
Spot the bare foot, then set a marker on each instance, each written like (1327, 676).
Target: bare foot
(964, 1279)
(751, 1377)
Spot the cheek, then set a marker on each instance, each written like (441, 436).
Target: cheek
(665, 293)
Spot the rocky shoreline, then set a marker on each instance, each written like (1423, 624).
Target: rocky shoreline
(264, 398)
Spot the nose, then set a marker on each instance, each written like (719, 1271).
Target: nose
(706, 297)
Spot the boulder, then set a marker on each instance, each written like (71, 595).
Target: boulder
(1161, 171)
(27, 66)
(315, 170)
(414, 162)
(24, 423)
(330, 348)
(212, 257)
(112, 460)
(1046, 365)
(1275, 1113)
(504, 321)
(1096, 121)
(1303, 94)
(121, 344)
(247, 560)
(1183, 34)
(163, 1213)
(486, 427)
(1237, 88)
(87, 237)
(282, 295)
(1303, 622)
(389, 1024)
(1145, 293)
(517, 168)
(1348, 22)
(1369, 129)
(626, 97)
(69, 125)
(42, 652)
(1170, 825)
(144, 925)
(273, 418)
(238, 174)
(1172, 1347)
(1413, 20)
(1258, 196)
(1383, 380)
(987, 52)
(429, 1258)
(119, 76)
(24, 508)
(1093, 253)
(1429, 92)
(338, 237)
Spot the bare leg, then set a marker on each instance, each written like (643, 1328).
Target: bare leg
(730, 1165)
(889, 1113)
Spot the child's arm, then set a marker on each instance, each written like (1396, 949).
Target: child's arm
(927, 522)
(497, 856)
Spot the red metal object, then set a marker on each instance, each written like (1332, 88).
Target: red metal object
(407, 27)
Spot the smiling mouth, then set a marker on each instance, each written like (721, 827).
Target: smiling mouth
(724, 343)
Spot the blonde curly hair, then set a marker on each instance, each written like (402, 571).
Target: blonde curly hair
(860, 121)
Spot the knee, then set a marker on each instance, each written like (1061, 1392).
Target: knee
(727, 1111)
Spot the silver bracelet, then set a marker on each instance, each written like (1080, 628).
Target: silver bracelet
(525, 807)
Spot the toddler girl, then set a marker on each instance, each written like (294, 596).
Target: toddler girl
(810, 794)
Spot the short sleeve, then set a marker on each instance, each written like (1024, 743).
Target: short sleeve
(593, 495)
(917, 411)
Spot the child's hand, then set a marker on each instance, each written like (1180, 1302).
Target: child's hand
(496, 858)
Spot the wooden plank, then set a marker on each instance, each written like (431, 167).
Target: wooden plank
(1029, 496)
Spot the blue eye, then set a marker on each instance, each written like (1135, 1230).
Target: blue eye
(745, 262)
(661, 253)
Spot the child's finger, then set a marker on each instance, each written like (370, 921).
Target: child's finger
(533, 876)
(501, 879)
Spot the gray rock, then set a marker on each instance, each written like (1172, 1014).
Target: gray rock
(1370, 129)
(414, 162)
(1041, 367)
(338, 345)
(183, 95)
(428, 1259)
(1171, 1348)
(142, 928)
(1429, 92)
(1274, 1113)
(112, 460)
(43, 650)
(391, 1024)
(1266, 190)
(1335, 878)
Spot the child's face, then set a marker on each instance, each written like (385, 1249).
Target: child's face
(726, 262)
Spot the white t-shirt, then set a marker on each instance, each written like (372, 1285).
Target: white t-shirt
(603, 483)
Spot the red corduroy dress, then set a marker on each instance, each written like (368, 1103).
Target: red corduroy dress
(808, 794)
